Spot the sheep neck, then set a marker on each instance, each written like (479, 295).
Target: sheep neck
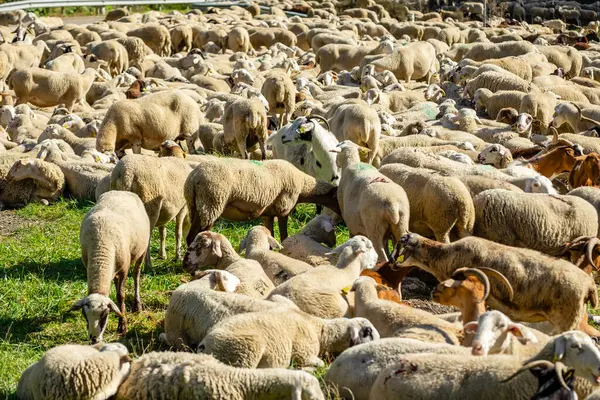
(333, 338)
(364, 294)
(435, 258)
(229, 256)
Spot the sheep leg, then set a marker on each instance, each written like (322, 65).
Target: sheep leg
(120, 286)
(180, 221)
(137, 148)
(263, 150)
(137, 301)
(270, 224)
(241, 143)
(442, 236)
(283, 227)
(147, 258)
(162, 231)
(376, 233)
(584, 326)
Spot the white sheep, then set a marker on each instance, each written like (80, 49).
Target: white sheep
(76, 372)
(306, 244)
(114, 234)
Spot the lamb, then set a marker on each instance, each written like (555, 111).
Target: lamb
(534, 221)
(255, 340)
(72, 371)
(452, 208)
(45, 88)
(493, 103)
(358, 123)
(158, 183)
(148, 121)
(268, 188)
(306, 245)
(245, 123)
(416, 61)
(280, 92)
(355, 370)
(318, 291)
(371, 204)
(156, 373)
(48, 179)
(114, 234)
(258, 244)
(393, 319)
(340, 57)
(214, 250)
(423, 376)
(155, 36)
(523, 268)
(238, 40)
(578, 120)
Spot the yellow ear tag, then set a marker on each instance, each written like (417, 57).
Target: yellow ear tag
(346, 290)
(302, 129)
(144, 90)
(400, 258)
(65, 125)
(97, 158)
(307, 113)
(554, 358)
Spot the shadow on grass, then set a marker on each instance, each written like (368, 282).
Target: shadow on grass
(61, 270)
(18, 329)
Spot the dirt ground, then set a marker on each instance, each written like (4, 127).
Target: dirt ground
(10, 222)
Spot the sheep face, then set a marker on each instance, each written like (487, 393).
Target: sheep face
(577, 350)
(95, 309)
(539, 184)
(203, 251)
(22, 169)
(492, 332)
(411, 250)
(494, 154)
(219, 280)
(358, 246)
(242, 75)
(307, 389)
(361, 330)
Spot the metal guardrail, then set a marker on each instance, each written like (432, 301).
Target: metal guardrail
(22, 5)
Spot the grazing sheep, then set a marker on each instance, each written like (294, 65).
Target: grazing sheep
(245, 123)
(73, 371)
(242, 190)
(371, 204)
(114, 234)
(438, 204)
(259, 244)
(114, 54)
(155, 36)
(534, 221)
(238, 40)
(179, 376)
(148, 121)
(343, 57)
(523, 268)
(158, 183)
(48, 179)
(318, 291)
(415, 61)
(276, 338)
(46, 88)
(493, 103)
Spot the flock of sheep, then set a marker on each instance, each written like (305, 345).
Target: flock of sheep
(470, 152)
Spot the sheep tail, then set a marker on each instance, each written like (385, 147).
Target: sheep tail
(392, 211)
(592, 296)
(253, 120)
(107, 135)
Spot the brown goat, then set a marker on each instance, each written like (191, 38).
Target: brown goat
(558, 160)
(586, 171)
(136, 89)
(584, 253)
(388, 281)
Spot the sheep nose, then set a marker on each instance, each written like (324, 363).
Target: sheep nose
(368, 332)
(477, 349)
(93, 340)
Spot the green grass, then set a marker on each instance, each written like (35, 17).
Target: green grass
(41, 276)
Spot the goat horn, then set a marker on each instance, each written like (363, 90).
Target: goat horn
(528, 366)
(561, 368)
(501, 278)
(591, 245)
(554, 134)
(320, 118)
(479, 275)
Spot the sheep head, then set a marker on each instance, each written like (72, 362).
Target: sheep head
(496, 155)
(95, 309)
(205, 250)
(358, 246)
(219, 280)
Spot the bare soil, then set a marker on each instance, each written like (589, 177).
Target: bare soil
(10, 222)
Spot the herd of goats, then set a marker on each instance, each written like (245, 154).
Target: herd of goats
(463, 158)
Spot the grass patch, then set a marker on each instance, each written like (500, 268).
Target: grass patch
(42, 276)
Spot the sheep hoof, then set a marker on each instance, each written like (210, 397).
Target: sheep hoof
(44, 202)
(122, 328)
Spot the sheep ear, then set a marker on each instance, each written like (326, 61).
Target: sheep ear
(338, 250)
(335, 150)
(471, 327)
(242, 246)
(560, 347)
(113, 307)
(78, 305)
(274, 244)
(216, 247)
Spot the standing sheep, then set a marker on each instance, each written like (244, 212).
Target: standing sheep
(114, 234)
(280, 92)
(371, 204)
(237, 40)
(155, 36)
(414, 61)
(245, 123)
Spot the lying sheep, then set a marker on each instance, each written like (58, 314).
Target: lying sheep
(318, 291)
(73, 371)
(148, 121)
(48, 179)
(45, 88)
(534, 221)
(114, 234)
(280, 337)
(438, 204)
(259, 244)
(371, 204)
(306, 245)
(162, 374)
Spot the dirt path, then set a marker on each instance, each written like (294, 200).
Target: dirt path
(10, 222)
